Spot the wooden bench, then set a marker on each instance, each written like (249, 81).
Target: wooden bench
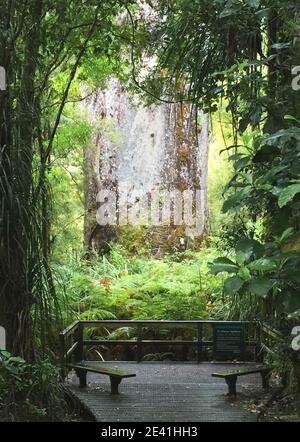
(115, 376)
(231, 377)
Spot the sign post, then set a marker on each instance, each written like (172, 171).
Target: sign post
(229, 341)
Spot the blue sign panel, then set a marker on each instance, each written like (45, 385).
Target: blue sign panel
(229, 341)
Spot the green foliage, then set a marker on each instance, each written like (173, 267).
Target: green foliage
(51, 46)
(219, 172)
(199, 45)
(266, 182)
(66, 178)
(288, 194)
(124, 287)
(284, 360)
(240, 53)
(54, 53)
(265, 175)
(212, 52)
(263, 272)
(29, 392)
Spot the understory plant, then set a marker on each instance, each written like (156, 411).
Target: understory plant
(266, 183)
(30, 392)
(263, 281)
(120, 286)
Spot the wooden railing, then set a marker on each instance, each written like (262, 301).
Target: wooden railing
(73, 343)
(269, 338)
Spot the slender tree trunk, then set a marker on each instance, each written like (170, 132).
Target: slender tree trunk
(18, 222)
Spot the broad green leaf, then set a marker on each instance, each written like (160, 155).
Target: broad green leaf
(235, 157)
(250, 247)
(260, 286)
(294, 315)
(288, 194)
(247, 177)
(233, 285)
(254, 3)
(4, 354)
(276, 191)
(263, 265)
(17, 359)
(245, 246)
(280, 46)
(236, 200)
(263, 13)
(266, 153)
(242, 163)
(244, 273)
(286, 234)
(291, 118)
(221, 265)
(266, 187)
(228, 11)
(240, 257)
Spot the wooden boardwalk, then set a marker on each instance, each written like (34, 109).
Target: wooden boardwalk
(166, 392)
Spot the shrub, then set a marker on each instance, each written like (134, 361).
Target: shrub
(29, 392)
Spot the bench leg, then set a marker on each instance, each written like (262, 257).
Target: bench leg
(265, 380)
(231, 382)
(114, 383)
(81, 374)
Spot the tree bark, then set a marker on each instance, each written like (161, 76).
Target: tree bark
(18, 222)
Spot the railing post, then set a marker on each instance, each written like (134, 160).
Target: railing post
(199, 342)
(260, 340)
(257, 341)
(139, 341)
(62, 355)
(79, 338)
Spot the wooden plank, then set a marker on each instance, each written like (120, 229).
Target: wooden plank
(75, 332)
(149, 341)
(136, 342)
(267, 349)
(139, 342)
(179, 324)
(199, 343)
(72, 349)
(63, 355)
(242, 372)
(181, 393)
(271, 331)
(170, 342)
(69, 330)
(110, 342)
(78, 336)
(102, 370)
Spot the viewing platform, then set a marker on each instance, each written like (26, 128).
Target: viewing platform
(166, 392)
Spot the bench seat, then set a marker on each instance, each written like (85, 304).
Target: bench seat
(231, 377)
(116, 376)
